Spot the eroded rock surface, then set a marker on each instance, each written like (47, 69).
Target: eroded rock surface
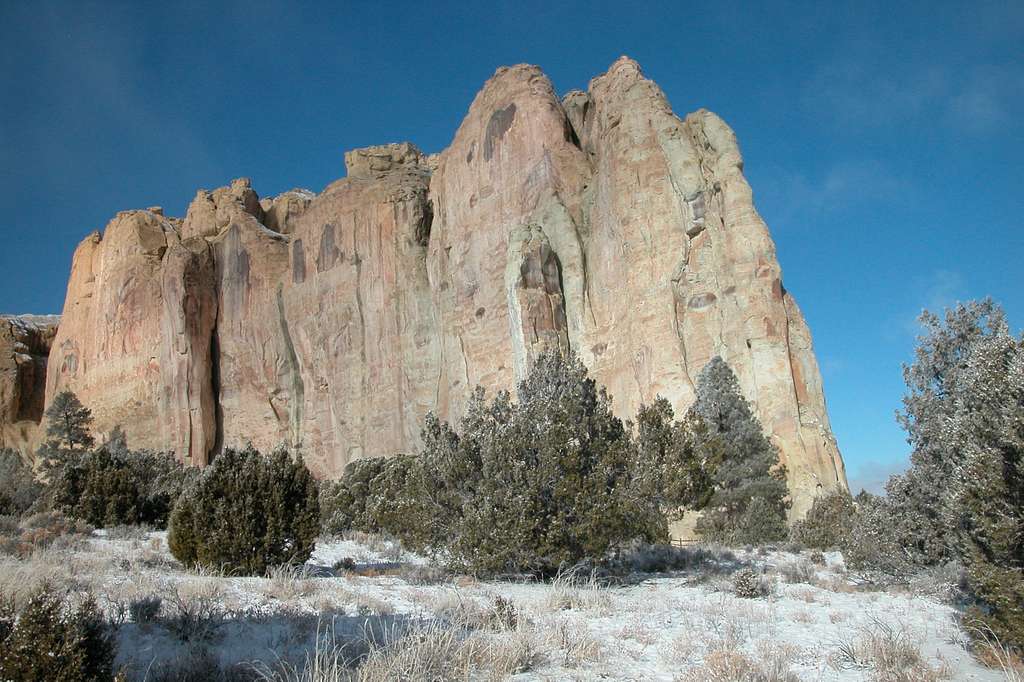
(332, 323)
(25, 342)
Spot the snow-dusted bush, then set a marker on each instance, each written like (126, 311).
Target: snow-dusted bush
(52, 640)
(827, 524)
(748, 505)
(111, 487)
(246, 513)
(751, 584)
(373, 495)
(534, 485)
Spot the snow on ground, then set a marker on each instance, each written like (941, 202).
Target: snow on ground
(669, 626)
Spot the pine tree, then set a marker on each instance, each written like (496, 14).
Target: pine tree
(749, 500)
(67, 431)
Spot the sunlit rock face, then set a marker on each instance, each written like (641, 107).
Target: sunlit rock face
(599, 223)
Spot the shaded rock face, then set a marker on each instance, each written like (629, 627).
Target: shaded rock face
(25, 343)
(599, 223)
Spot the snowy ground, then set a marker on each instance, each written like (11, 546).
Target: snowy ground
(686, 625)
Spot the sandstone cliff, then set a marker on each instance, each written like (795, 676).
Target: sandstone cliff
(25, 342)
(600, 222)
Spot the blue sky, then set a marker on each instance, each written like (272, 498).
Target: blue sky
(883, 141)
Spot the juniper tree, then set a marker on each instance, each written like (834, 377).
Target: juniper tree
(938, 384)
(985, 505)
(534, 485)
(247, 513)
(963, 495)
(108, 487)
(371, 496)
(749, 503)
(676, 457)
(828, 522)
(18, 486)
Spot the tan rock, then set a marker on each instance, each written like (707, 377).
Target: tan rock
(601, 223)
(211, 212)
(25, 342)
(372, 162)
(281, 212)
(134, 343)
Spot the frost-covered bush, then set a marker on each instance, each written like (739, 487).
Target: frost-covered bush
(873, 544)
(373, 496)
(534, 485)
(827, 524)
(751, 584)
(52, 640)
(246, 513)
(748, 504)
(19, 488)
(108, 487)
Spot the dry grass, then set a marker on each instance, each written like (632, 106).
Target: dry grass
(195, 611)
(682, 649)
(798, 571)
(729, 664)
(287, 583)
(465, 612)
(805, 594)
(992, 653)
(427, 651)
(571, 591)
(575, 643)
(803, 616)
(890, 652)
(637, 630)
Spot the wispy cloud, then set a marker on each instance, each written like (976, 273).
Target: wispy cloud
(935, 291)
(796, 196)
(860, 90)
(872, 474)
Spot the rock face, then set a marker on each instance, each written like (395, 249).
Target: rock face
(599, 223)
(25, 342)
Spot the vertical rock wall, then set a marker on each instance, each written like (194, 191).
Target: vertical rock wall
(600, 223)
